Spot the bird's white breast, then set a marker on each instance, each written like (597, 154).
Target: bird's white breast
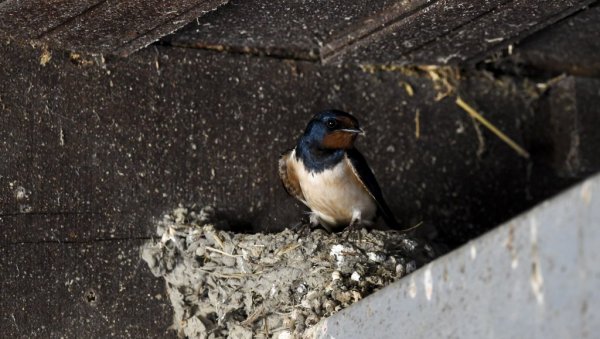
(335, 194)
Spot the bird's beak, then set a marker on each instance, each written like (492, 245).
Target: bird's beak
(353, 130)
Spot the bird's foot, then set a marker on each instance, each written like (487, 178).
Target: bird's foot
(353, 231)
(313, 218)
(303, 228)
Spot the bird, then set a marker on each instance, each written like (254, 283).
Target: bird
(331, 177)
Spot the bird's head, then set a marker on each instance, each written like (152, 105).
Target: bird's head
(332, 129)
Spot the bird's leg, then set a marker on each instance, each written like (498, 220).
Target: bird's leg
(313, 219)
(304, 228)
(355, 226)
(316, 221)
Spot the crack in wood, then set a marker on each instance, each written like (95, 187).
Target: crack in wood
(63, 25)
(371, 26)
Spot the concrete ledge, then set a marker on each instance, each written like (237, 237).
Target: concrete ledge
(533, 277)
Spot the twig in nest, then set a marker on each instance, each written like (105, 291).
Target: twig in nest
(218, 239)
(287, 248)
(224, 276)
(266, 326)
(254, 316)
(481, 147)
(212, 249)
(544, 86)
(443, 79)
(472, 112)
(413, 227)
(417, 124)
(408, 88)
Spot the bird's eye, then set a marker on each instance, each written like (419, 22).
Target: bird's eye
(331, 124)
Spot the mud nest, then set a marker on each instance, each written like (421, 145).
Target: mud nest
(279, 285)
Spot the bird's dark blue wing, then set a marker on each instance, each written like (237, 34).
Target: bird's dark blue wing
(366, 176)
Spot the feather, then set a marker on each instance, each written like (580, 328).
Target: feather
(365, 176)
(289, 177)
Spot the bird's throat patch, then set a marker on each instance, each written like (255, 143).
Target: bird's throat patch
(339, 140)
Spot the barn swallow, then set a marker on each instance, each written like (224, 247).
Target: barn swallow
(331, 177)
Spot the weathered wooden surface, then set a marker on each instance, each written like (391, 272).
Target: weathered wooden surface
(99, 26)
(503, 25)
(396, 32)
(570, 117)
(570, 46)
(98, 289)
(124, 141)
(384, 31)
(295, 29)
